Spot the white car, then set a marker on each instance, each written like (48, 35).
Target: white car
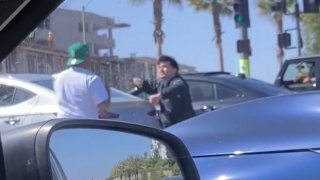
(29, 98)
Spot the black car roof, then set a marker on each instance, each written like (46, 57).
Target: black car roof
(206, 73)
(18, 18)
(304, 57)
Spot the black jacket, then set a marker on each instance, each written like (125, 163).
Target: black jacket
(175, 103)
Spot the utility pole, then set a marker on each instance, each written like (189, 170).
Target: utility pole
(242, 21)
(297, 15)
(246, 52)
(83, 25)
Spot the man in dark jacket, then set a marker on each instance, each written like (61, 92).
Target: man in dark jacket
(171, 92)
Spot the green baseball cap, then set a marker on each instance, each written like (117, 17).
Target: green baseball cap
(77, 53)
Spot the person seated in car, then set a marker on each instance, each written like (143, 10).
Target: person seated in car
(302, 76)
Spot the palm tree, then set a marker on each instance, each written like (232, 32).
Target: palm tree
(265, 9)
(158, 34)
(136, 165)
(216, 8)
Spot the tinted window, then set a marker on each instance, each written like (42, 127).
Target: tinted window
(10, 95)
(224, 92)
(201, 90)
(257, 86)
(21, 95)
(6, 95)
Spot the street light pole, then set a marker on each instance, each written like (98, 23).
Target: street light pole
(83, 26)
(297, 15)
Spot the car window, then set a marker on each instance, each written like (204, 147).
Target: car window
(11, 95)
(6, 95)
(300, 75)
(294, 69)
(201, 90)
(290, 72)
(224, 92)
(21, 95)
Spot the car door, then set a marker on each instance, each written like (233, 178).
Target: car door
(227, 95)
(15, 104)
(203, 96)
(299, 74)
(209, 95)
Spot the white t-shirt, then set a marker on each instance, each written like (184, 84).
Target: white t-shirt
(79, 92)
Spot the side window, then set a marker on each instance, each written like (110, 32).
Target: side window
(300, 75)
(21, 95)
(201, 90)
(6, 95)
(224, 92)
(11, 95)
(290, 73)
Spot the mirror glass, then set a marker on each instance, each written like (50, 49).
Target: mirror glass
(95, 154)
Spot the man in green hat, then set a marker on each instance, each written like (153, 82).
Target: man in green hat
(81, 93)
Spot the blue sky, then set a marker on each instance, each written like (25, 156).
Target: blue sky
(189, 35)
(90, 154)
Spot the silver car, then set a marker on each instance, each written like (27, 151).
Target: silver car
(29, 98)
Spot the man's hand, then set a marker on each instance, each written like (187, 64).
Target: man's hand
(155, 99)
(137, 82)
(103, 108)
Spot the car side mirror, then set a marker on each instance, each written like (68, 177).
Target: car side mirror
(95, 149)
(109, 154)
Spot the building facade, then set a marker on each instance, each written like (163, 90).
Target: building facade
(44, 50)
(64, 27)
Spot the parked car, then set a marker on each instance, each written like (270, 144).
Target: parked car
(213, 90)
(29, 98)
(300, 74)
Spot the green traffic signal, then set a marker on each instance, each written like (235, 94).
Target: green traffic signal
(239, 18)
(241, 13)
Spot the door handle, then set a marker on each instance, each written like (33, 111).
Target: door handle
(207, 108)
(12, 121)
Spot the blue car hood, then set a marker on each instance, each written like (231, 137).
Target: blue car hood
(281, 123)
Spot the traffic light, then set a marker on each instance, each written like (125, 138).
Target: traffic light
(311, 6)
(284, 40)
(241, 13)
